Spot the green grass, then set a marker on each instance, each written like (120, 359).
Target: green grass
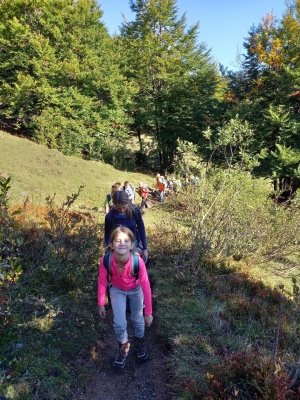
(221, 325)
(37, 172)
(219, 322)
(44, 339)
(281, 272)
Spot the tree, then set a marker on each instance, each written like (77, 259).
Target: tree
(175, 79)
(60, 83)
(269, 94)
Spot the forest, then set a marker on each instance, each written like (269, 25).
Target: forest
(81, 109)
(68, 84)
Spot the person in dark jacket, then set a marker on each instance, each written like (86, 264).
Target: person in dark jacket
(123, 213)
(108, 198)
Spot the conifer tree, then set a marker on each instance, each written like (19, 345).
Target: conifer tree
(174, 77)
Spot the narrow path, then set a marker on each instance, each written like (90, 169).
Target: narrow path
(147, 381)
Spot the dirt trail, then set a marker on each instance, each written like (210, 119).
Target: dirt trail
(146, 381)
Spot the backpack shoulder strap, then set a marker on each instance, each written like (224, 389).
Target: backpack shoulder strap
(107, 264)
(135, 265)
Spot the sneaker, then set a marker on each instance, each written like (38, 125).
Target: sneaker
(141, 352)
(120, 361)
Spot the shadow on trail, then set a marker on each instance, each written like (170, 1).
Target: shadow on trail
(136, 381)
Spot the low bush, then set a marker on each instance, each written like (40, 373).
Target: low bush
(248, 375)
(11, 244)
(232, 336)
(230, 216)
(49, 311)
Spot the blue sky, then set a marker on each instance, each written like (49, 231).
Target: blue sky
(223, 23)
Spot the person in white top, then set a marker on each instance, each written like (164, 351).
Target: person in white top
(129, 189)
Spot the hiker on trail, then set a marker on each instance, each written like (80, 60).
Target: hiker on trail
(143, 191)
(124, 285)
(129, 189)
(108, 200)
(196, 180)
(177, 186)
(160, 186)
(186, 181)
(169, 184)
(123, 213)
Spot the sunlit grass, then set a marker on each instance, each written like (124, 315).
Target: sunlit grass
(44, 324)
(205, 311)
(280, 272)
(37, 172)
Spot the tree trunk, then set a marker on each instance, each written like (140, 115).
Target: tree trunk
(160, 150)
(139, 135)
(295, 184)
(161, 160)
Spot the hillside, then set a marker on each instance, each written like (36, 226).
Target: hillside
(37, 172)
(221, 329)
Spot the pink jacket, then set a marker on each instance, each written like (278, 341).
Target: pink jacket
(124, 281)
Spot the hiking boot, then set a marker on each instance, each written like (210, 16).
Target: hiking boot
(120, 361)
(141, 352)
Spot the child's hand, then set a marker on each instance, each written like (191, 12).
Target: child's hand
(148, 320)
(102, 311)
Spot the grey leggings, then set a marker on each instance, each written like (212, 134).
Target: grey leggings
(118, 301)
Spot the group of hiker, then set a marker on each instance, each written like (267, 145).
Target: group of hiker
(142, 190)
(163, 187)
(170, 185)
(122, 270)
(128, 188)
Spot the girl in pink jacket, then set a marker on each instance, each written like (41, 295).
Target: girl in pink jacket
(124, 285)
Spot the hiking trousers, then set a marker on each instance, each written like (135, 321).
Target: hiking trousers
(144, 204)
(118, 299)
(161, 196)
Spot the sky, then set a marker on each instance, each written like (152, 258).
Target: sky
(224, 24)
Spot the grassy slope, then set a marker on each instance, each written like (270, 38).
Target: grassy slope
(37, 172)
(223, 322)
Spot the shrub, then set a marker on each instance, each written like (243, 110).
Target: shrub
(247, 376)
(10, 241)
(230, 215)
(50, 319)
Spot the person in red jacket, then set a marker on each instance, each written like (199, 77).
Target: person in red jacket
(143, 191)
(161, 187)
(123, 286)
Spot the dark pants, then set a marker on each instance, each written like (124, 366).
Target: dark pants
(144, 203)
